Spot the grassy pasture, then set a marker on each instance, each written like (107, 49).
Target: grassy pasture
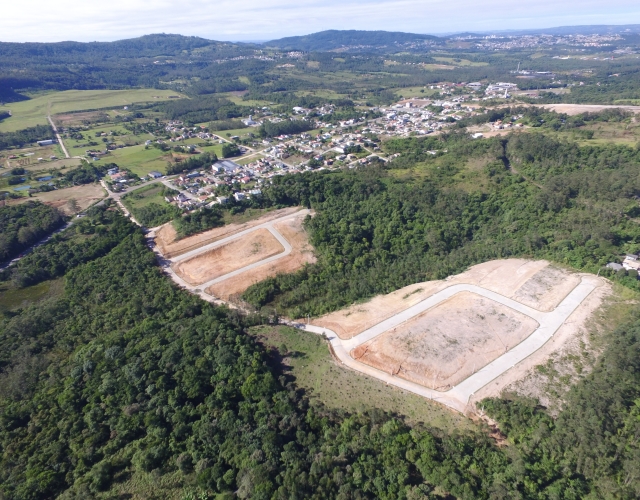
(17, 298)
(34, 111)
(86, 195)
(408, 92)
(307, 358)
(460, 62)
(139, 160)
(151, 193)
(79, 147)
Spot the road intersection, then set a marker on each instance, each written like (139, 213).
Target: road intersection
(269, 225)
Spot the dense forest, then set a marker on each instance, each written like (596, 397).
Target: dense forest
(69, 249)
(124, 373)
(26, 136)
(198, 221)
(335, 39)
(202, 109)
(271, 129)
(23, 225)
(535, 196)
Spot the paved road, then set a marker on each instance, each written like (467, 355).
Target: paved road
(170, 185)
(55, 131)
(458, 396)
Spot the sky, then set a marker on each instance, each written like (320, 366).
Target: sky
(251, 20)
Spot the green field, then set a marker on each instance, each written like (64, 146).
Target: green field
(139, 160)
(214, 148)
(308, 360)
(248, 159)
(17, 298)
(151, 193)
(79, 147)
(408, 92)
(240, 132)
(34, 111)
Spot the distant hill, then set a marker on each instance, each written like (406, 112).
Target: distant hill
(335, 39)
(144, 46)
(596, 29)
(136, 62)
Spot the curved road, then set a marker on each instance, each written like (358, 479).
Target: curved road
(458, 396)
(193, 253)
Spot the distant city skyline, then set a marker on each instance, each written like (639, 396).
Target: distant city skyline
(250, 20)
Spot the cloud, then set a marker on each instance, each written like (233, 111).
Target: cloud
(87, 20)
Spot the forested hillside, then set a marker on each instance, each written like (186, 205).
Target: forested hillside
(334, 39)
(23, 225)
(125, 375)
(424, 217)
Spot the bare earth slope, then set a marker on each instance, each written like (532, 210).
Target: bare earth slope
(444, 345)
(509, 277)
(236, 254)
(170, 247)
(301, 254)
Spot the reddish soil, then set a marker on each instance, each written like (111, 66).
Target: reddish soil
(236, 254)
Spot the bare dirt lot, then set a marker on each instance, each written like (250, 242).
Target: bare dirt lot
(301, 254)
(446, 344)
(509, 277)
(170, 247)
(576, 109)
(236, 254)
(74, 119)
(565, 352)
(85, 195)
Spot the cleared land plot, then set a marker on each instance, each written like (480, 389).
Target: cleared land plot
(236, 254)
(77, 119)
(576, 109)
(170, 247)
(301, 254)
(35, 111)
(460, 62)
(85, 195)
(79, 147)
(507, 277)
(448, 343)
(145, 196)
(458, 344)
(305, 356)
(17, 298)
(139, 160)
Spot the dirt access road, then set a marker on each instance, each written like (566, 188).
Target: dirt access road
(55, 131)
(458, 396)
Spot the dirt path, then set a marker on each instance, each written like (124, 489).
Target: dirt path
(55, 131)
